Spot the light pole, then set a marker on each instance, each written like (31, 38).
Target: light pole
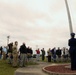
(69, 17)
(8, 40)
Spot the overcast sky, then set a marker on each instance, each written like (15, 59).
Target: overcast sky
(42, 23)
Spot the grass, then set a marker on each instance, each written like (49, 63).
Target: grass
(6, 69)
(32, 63)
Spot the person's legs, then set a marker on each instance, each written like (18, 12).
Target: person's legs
(72, 60)
(49, 58)
(42, 57)
(21, 60)
(15, 60)
(38, 57)
(0, 56)
(25, 60)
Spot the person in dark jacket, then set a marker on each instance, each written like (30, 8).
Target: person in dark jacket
(9, 52)
(1, 52)
(23, 55)
(53, 51)
(72, 51)
(43, 54)
(49, 55)
(58, 53)
(29, 53)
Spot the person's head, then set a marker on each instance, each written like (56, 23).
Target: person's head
(72, 35)
(58, 47)
(43, 48)
(23, 43)
(16, 43)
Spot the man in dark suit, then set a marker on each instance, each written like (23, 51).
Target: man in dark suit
(23, 55)
(72, 51)
(58, 53)
(43, 54)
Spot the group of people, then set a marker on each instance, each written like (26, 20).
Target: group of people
(24, 54)
(17, 56)
(58, 54)
(65, 53)
(53, 54)
(42, 54)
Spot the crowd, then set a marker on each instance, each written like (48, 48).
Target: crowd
(56, 55)
(16, 56)
(24, 54)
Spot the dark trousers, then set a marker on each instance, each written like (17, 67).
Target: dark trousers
(43, 57)
(73, 59)
(49, 58)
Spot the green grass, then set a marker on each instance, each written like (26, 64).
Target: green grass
(6, 69)
(32, 63)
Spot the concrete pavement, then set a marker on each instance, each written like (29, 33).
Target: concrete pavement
(32, 69)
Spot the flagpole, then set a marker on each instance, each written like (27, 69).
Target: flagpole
(69, 17)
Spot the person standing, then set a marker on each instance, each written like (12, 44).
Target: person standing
(38, 54)
(72, 51)
(9, 52)
(53, 51)
(15, 54)
(1, 52)
(49, 55)
(43, 54)
(4, 52)
(23, 55)
(31, 53)
(58, 53)
(28, 53)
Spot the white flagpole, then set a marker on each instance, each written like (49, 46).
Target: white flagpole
(69, 17)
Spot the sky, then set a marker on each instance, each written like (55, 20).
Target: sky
(38, 23)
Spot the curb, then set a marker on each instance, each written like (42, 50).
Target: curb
(55, 73)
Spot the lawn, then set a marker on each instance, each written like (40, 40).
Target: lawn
(6, 69)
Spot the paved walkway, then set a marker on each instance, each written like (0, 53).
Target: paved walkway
(32, 69)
